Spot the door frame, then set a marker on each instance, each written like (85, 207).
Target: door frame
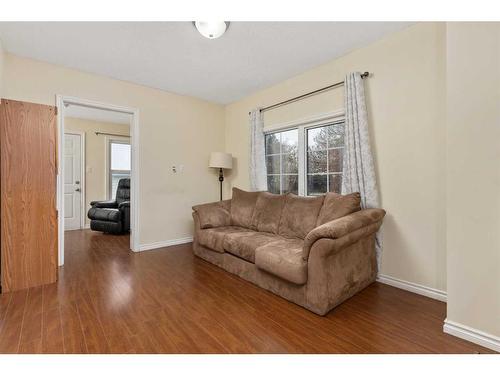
(83, 167)
(62, 101)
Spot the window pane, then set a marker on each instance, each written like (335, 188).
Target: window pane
(282, 158)
(273, 184)
(316, 138)
(291, 184)
(273, 164)
(289, 141)
(290, 163)
(335, 182)
(316, 162)
(120, 156)
(335, 160)
(336, 135)
(316, 184)
(272, 143)
(115, 178)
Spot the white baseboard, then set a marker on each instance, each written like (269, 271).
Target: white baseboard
(86, 226)
(471, 334)
(440, 295)
(157, 245)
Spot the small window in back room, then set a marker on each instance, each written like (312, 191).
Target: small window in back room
(120, 164)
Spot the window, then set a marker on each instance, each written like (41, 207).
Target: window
(119, 164)
(325, 146)
(306, 160)
(282, 162)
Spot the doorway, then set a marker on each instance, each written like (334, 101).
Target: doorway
(93, 160)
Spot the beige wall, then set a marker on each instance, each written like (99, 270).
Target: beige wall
(174, 129)
(95, 155)
(405, 103)
(435, 144)
(473, 175)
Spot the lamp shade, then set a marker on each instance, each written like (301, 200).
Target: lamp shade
(221, 160)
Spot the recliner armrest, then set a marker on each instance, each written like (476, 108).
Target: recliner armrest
(212, 215)
(104, 204)
(125, 204)
(351, 227)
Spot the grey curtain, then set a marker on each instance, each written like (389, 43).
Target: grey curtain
(258, 174)
(358, 167)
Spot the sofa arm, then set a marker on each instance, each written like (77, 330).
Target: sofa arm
(104, 204)
(124, 208)
(349, 229)
(212, 215)
(124, 205)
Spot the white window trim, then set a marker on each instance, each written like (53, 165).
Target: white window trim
(306, 121)
(107, 169)
(303, 125)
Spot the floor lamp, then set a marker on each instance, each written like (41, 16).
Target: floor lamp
(221, 160)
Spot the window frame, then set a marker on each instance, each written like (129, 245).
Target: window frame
(327, 149)
(109, 171)
(302, 127)
(280, 154)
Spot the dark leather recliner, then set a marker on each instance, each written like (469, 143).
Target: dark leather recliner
(112, 216)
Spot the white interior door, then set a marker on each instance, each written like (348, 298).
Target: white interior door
(72, 181)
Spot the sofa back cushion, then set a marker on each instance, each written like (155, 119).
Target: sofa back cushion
(299, 215)
(242, 207)
(267, 213)
(336, 206)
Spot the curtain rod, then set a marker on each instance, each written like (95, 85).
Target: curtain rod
(118, 135)
(363, 75)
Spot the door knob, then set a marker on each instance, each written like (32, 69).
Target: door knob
(77, 182)
(78, 189)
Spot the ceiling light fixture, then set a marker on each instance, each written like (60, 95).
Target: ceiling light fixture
(211, 29)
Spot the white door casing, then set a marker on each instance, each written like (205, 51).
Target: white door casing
(72, 182)
(62, 102)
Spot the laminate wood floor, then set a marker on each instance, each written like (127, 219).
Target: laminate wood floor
(110, 300)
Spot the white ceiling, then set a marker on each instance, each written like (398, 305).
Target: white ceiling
(77, 111)
(174, 57)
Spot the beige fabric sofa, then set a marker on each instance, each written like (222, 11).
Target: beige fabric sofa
(316, 252)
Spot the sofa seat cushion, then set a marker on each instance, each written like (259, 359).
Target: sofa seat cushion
(244, 244)
(105, 214)
(213, 238)
(283, 258)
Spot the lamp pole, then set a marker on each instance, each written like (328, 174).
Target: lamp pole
(221, 179)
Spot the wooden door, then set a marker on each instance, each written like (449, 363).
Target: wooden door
(28, 144)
